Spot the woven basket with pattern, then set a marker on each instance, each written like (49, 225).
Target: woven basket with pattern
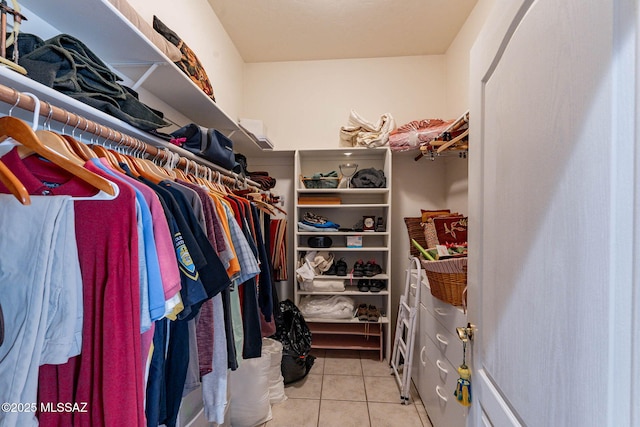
(447, 279)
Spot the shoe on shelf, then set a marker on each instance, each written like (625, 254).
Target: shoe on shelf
(363, 285)
(358, 269)
(312, 218)
(373, 314)
(332, 271)
(341, 267)
(377, 285)
(362, 313)
(371, 268)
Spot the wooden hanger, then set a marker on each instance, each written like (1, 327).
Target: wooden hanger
(453, 141)
(54, 142)
(107, 155)
(14, 184)
(22, 133)
(82, 150)
(218, 185)
(151, 167)
(146, 169)
(142, 167)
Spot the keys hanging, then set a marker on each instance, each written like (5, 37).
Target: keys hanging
(463, 386)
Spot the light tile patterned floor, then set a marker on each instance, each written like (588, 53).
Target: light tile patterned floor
(347, 389)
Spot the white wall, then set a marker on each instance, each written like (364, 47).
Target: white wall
(457, 59)
(457, 81)
(304, 104)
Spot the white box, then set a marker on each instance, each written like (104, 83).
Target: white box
(354, 241)
(256, 127)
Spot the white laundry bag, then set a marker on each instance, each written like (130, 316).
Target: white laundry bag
(273, 349)
(249, 403)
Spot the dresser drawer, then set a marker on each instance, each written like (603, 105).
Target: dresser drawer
(448, 315)
(445, 341)
(437, 383)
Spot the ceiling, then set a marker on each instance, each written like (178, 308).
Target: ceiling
(301, 30)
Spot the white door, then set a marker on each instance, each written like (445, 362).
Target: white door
(553, 181)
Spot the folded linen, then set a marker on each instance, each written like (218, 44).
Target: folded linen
(360, 132)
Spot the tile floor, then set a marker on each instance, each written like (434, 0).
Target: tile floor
(347, 389)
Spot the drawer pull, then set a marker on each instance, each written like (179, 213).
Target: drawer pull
(440, 394)
(424, 362)
(440, 311)
(439, 365)
(441, 339)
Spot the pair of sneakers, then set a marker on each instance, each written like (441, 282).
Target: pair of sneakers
(370, 269)
(312, 218)
(374, 285)
(368, 313)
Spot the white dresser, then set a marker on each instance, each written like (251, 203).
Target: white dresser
(437, 355)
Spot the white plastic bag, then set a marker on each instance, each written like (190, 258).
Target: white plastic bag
(332, 307)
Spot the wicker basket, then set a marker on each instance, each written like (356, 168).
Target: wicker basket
(447, 279)
(414, 228)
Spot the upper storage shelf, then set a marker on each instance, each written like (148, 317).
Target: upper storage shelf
(112, 37)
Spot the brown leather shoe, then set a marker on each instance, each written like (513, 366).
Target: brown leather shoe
(373, 314)
(363, 313)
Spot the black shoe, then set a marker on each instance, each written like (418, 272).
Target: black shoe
(371, 268)
(377, 285)
(341, 267)
(331, 271)
(363, 285)
(358, 269)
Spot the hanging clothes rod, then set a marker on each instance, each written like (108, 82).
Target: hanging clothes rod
(454, 126)
(51, 112)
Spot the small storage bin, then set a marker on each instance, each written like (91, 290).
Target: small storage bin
(322, 182)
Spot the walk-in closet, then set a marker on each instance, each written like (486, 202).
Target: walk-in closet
(317, 214)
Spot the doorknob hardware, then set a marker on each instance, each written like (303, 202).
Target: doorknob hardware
(466, 333)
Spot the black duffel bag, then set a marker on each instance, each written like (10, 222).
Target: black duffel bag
(207, 143)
